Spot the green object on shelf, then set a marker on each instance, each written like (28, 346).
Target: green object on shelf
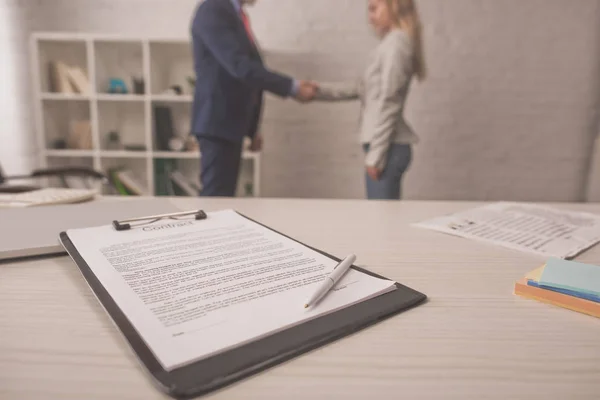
(121, 189)
(191, 81)
(249, 189)
(162, 180)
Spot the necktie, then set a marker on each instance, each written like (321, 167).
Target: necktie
(246, 22)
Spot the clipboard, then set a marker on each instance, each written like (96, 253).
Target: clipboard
(218, 371)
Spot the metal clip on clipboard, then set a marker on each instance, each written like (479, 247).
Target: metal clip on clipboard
(128, 224)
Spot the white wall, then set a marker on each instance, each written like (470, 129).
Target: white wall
(17, 147)
(508, 112)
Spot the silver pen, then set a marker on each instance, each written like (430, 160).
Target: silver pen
(331, 280)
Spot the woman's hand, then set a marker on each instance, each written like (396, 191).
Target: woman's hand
(374, 173)
(307, 91)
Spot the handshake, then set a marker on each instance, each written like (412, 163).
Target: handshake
(307, 91)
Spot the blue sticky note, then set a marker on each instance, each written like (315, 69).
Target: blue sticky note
(570, 275)
(573, 293)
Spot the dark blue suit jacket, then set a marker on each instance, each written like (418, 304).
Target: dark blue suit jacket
(230, 75)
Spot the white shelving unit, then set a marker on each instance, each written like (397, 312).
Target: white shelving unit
(160, 63)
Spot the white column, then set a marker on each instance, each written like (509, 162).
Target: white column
(17, 142)
(593, 187)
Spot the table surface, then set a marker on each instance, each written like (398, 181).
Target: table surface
(472, 339)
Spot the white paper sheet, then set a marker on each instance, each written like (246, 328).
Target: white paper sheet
(195, 288)
(526, 227)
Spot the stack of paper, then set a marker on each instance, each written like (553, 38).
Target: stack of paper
(567, 284)
(534, 229)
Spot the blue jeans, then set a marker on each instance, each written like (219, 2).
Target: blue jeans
(388, 187)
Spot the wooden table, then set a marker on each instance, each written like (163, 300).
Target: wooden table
(473, 339)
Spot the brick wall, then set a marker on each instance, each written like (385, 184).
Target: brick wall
(508, 113)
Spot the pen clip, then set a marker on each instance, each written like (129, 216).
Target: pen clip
(340, 263)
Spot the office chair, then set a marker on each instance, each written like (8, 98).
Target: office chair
(87, 176)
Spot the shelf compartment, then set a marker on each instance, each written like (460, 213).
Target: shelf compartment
(171, 64)
(67, 125)
(247, 187)
(134, 181)
(59, 161)
(170, 121)
(119, 60)
(176, 177)
(55, 58)
(124, 120)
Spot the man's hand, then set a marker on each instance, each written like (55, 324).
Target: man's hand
(306, 91)
(257, 143)
(374, 173)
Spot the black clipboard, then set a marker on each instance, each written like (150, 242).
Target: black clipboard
(221, 370)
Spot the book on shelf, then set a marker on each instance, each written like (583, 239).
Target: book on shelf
(163, 124)
(80, 135)
(162, 181)
(78, 80)
(170, 181)
(66, 79)
(126, 183)
(58, 77)
(185, 185)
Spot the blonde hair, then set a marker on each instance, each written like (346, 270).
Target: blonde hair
(408, 20)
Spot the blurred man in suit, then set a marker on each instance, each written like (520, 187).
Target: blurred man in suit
(230, 80)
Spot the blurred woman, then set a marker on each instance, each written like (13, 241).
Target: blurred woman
(385, 136)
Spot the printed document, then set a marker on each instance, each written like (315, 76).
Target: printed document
(193, 289)
(530, 228)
